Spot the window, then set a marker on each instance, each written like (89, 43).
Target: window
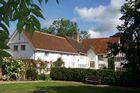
(100, 57)
(118, 59)
(92, 64)
(15, 47)
(23, 47)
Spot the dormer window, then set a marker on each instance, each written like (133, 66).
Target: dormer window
(23, 47)
(15, 48)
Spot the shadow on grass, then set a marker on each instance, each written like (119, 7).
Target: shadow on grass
(81, 89)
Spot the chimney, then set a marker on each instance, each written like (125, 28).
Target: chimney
(78, 37)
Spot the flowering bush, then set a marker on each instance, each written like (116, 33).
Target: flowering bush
(12, 69)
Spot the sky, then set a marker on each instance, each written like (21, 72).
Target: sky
(98, 17)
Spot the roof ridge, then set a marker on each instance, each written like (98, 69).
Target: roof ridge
(101, 38)
(50, 34)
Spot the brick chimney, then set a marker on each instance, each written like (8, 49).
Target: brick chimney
(78, 37)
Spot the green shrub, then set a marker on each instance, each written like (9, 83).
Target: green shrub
(31, 74)
(12, 69)
(44, 77)
(78, 74)
(58, 63)
(41, 77)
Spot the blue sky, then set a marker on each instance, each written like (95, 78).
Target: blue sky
(98, 17)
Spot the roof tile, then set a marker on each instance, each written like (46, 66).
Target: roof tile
(99, 45)
(50, 42)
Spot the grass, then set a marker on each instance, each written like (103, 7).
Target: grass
(60, 87)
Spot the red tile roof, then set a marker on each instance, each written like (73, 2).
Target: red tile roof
(46, 41)
(76, 45)
(99, 45)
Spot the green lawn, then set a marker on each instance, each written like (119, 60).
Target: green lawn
(60, 87)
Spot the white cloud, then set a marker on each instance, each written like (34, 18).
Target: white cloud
(90, 13)
(117, 3)
(105, 17)
(94, 34)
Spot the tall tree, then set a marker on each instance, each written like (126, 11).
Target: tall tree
(130, 40)
(63, 27)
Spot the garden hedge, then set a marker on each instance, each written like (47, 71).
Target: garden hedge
(107, 76)
(78, 74)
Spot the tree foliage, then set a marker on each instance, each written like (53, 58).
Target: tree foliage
(84, 35)
(63, 27)
(130, 40)
(25, 12)
(111, 63)
(3, 39)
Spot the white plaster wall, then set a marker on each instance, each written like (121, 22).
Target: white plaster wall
(83, 61)
(70, 60)
(118, 63)
(20, 54)
(93, 57)
(104, 61)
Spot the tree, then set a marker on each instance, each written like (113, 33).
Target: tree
(63, 27)
(130, 40)
(84, 35)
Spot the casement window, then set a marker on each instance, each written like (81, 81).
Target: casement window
(92, 64)
(118, 59)
(100, 57)
(15, 48)
(23, 47)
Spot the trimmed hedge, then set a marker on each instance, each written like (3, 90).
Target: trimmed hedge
(77, 74)
(44, 77)
(107, 76)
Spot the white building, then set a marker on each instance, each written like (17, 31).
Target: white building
(91, 53)
(97, 51)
